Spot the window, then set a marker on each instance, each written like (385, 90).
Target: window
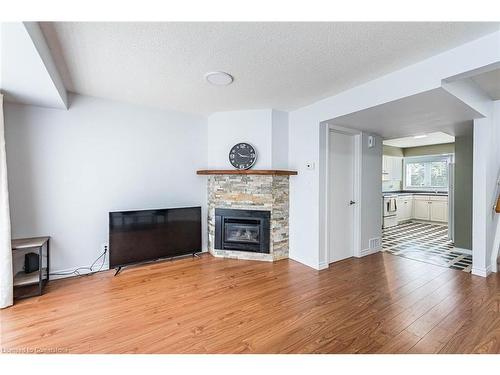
(427, 172)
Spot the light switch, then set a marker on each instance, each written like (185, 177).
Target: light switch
(371, 141)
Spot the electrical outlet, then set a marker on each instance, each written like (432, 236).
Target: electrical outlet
(102, 263)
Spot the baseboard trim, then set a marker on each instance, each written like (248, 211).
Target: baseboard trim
(58, 274)
(323, 265)
(305, 263)
(366, 252)
(483, 272)
(443, 223)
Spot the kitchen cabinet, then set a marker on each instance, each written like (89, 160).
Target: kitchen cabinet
(421, 209)
(392, 168)
(438, 209)
(405, 208)
(385, 168)
(430, 208)
(396, 169)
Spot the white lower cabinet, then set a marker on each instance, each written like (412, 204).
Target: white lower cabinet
(421, 209)
(430, 208)
(405, 208)
(438, 209)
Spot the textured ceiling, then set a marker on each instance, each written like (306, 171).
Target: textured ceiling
(275, 65)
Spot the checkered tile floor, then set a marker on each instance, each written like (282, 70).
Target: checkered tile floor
(425, 242)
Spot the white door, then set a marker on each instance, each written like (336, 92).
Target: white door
(341, 196)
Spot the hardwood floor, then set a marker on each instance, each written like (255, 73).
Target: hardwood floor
(377, 304)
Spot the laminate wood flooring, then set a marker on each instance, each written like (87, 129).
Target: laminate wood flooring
(377, 304)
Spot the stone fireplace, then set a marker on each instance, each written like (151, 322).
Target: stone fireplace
(248, 214)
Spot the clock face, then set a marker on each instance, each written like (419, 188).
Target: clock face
(242, 156)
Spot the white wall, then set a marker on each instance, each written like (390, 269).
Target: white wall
(370, 199)
(304, 231)
(225, 129)
(492, 181)
(495, 223)
(486, 166)
(484, 188)
(307, 191)
(1, 56)
(371, 188)
(279, 140)
(305, 143)
(68, 169)
(265, 129)
(486, 174)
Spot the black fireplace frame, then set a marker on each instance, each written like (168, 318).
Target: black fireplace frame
(263, 217)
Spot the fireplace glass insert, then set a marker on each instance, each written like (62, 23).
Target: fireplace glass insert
(244, 230)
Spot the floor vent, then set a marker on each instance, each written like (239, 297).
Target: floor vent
(374, 243)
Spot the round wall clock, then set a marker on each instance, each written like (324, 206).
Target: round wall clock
(242, 156)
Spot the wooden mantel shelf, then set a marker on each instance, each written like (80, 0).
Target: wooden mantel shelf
(262, 172)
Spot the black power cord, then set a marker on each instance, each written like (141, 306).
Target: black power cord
(76, 271)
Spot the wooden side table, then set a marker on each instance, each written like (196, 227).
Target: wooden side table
(32, 284)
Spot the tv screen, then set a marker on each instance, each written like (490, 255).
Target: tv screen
(145, 235)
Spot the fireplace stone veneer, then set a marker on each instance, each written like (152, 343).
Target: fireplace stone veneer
(251, 192)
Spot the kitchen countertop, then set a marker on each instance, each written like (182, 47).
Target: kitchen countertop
(432, 193)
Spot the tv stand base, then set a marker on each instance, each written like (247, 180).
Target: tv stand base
(194, 255)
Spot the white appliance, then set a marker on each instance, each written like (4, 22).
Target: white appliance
(390, 211)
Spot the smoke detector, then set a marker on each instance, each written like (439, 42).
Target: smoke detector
(219, 78)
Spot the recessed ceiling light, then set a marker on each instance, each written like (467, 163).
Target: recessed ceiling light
(419, 136)
(219, 78)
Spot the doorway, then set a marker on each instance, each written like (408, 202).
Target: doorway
(342, 194)
(423, 177)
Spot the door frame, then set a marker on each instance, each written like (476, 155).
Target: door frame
(356, 227)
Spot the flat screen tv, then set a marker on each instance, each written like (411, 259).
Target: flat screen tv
(146, 235)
